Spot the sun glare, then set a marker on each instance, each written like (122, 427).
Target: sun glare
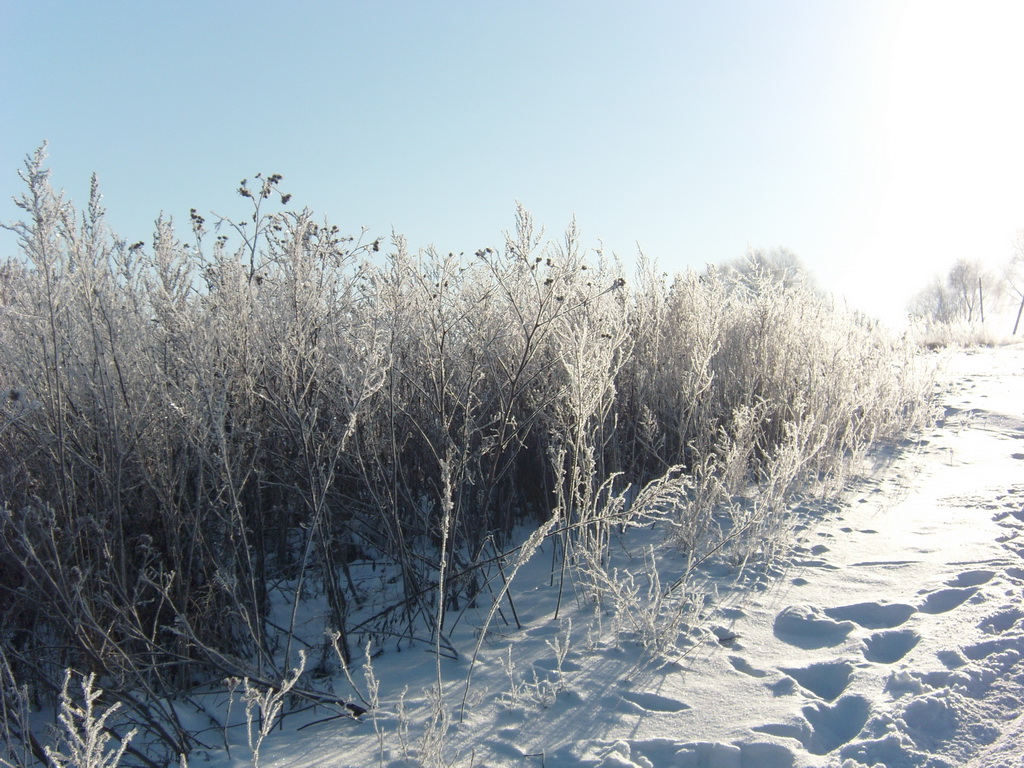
(948, 155)
(953, 149)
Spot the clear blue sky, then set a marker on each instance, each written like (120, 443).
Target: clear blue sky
(877, 140)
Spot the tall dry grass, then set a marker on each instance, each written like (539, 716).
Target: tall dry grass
(199, 438)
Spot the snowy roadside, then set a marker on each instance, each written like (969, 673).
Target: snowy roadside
(892, 634)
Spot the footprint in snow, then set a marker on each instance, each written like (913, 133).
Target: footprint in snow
(890, 647)
(827, 680)
(808, 627)
(987, 648)
(817, 549)
(873, 615)
(742, 665)
(972, 578)
(1011, 518)
(825, 727)
(653, 702)
(1001, 622)
(836, 725)
(945, 600)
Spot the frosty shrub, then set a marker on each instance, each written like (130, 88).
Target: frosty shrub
(84, 732)
(263, 704)
(219, 445)
(17, 748)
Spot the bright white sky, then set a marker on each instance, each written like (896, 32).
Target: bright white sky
(878, 140)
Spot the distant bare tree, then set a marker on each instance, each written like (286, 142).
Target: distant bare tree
(934, 303)
(1013, 277)
(965, 281)
(960, 297)
(779, 266)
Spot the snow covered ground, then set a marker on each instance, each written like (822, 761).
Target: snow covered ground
(891, 633)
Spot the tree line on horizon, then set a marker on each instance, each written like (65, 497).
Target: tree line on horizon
(971, 295)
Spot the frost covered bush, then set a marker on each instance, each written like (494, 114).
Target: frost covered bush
(83, 730)
(200, 439)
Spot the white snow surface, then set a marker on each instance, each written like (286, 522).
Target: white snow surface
(890, 633)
